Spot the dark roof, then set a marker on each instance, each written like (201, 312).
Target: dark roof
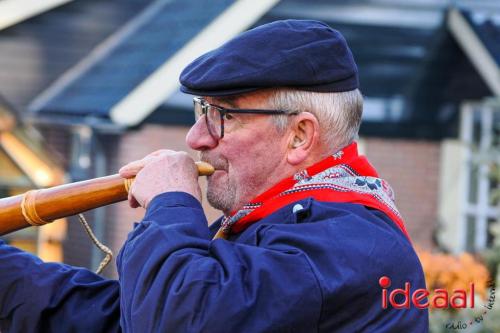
(37, 51)
(389, 42)
(410, 67)
(392, 43)
(487, 28)
(150, 41)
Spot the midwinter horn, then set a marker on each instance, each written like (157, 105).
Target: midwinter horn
(38, 207)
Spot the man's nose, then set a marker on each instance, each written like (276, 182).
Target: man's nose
(198, 137)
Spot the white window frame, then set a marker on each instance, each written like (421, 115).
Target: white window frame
(477, 154)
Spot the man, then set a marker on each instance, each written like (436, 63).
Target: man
(308, 227)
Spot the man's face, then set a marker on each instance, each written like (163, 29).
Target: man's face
(250, 157)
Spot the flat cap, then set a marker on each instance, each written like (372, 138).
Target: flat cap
(303, 54)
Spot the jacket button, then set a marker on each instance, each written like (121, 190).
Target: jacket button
(297, 208)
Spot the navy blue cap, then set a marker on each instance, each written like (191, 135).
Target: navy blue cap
(303, 54)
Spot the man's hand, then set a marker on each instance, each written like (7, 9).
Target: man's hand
(159, 172)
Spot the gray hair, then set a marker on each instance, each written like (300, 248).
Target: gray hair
(338, 113)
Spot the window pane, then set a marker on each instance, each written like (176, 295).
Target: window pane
(473, 183)
(471, 233)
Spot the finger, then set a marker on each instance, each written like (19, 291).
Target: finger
(131, 169)
(132, 202)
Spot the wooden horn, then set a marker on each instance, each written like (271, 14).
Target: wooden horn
(38, 207)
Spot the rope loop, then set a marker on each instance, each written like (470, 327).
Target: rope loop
(100, 246)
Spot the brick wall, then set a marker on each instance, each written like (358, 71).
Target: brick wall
(58, 141)
(412, 169)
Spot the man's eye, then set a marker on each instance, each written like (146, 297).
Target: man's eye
(228, 116)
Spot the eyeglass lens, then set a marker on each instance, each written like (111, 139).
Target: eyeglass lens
(213, 118)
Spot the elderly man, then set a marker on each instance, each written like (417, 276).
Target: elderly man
(308, 229)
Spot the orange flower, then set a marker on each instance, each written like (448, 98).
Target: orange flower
(453, 272)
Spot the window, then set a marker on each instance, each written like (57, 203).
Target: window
(479, 132)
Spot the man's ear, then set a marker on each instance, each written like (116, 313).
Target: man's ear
(303, 137)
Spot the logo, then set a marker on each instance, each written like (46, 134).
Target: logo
(400, 298)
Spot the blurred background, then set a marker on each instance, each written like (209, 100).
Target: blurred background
(87, 86)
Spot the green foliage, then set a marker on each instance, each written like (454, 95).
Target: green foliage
(492, 255)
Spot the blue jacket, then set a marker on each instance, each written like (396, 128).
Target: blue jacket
(50, 297)
(309, 267)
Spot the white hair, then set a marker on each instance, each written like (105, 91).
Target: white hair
(338, 113)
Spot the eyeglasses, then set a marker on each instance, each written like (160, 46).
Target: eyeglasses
(215, 115)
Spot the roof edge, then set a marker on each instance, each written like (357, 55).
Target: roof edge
(475, 50)
(97, 54)
(13, 12)
(153, 91)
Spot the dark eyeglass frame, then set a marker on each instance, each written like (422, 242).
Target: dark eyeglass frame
(223, 111)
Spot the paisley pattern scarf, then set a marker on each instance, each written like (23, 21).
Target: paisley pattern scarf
(342, 177)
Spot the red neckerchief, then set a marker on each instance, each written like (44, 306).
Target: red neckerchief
(342, 177)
